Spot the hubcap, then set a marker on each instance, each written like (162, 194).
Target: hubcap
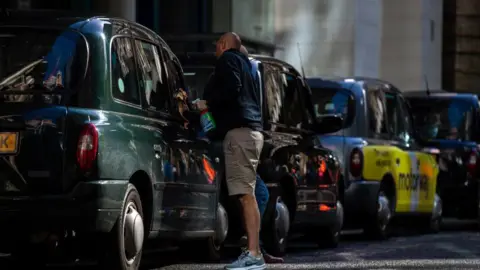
(222, 226)
(133, 232)
(282, 220)
(384, 211)
(437, 208)
(339, 216)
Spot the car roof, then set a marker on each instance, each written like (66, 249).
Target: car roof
(440, 94)
(353, 84)
(208, 59)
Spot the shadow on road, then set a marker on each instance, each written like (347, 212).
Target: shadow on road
(302, 249)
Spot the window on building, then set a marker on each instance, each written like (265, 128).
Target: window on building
(152, 83)
(124, 77)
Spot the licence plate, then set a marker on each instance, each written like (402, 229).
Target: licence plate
(8, 142)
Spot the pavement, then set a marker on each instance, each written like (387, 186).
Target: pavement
(456, 247)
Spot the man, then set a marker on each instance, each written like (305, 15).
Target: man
(261, 191)
(234, 101)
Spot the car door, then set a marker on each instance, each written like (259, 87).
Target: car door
(191, 190)
(416, 177)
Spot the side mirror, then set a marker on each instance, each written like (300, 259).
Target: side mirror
(328, 124)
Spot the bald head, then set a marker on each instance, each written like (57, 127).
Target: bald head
(244, 50)
(227, 41)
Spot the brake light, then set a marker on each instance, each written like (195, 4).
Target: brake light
(87, 147)
(472, 163)
(356, 163)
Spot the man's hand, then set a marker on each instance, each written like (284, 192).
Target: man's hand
(200, 104)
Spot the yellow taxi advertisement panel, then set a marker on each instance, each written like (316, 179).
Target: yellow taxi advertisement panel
(414, 173)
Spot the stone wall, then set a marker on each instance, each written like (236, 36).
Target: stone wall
(464, 17)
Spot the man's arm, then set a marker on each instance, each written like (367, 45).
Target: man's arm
(228, 78)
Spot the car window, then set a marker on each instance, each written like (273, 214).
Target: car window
(282, 96)
(124, 76)
(399, 124)
(334, 101)
(179, 96)
(42, 60)
(293, 109)
(151, 79)
(376, 107)
(407, 129)
(442, 118)
(393, 123)
(196, 78)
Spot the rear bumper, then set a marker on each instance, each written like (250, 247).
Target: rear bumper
(91, 206)
(315, 218)
(361, 201)
(322, 213)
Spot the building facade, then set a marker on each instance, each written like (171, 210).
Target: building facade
(399, 41)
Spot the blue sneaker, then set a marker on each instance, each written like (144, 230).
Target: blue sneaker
(247, 262)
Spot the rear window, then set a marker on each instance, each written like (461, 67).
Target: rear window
(442, 118)
(196, 78)
(334, 101)
(38, 60)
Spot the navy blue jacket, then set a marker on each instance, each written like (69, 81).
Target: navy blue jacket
(232, 95)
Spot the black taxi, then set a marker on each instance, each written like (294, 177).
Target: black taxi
(302, 178)
(95, 156)
(449, 121)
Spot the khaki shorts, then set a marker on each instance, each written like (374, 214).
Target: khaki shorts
(242, 148)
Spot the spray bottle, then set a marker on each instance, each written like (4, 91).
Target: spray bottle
(206, 119)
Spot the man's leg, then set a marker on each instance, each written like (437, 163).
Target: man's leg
(242, 149)
(262, 195)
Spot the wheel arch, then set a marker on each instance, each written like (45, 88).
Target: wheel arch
(142, 182)
(288, 190)
(388, 184)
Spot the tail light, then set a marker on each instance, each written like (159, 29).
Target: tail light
(87, 147)
(472, 163)
(356, 163)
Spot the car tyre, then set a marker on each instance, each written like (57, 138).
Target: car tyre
(378, 226)
(433, 222)
(210, 249)
(125, 243)
(275, 232)
(330, 236)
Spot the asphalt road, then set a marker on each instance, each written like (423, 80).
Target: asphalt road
(456, 247)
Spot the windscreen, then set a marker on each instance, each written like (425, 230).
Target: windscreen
(442, 118)
(333, 101)
(40, 60)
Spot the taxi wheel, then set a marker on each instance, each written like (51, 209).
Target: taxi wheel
(378, 225)
(434, 221)
(124, 250)
(210, 249)
(277, 230)
(330, 237)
